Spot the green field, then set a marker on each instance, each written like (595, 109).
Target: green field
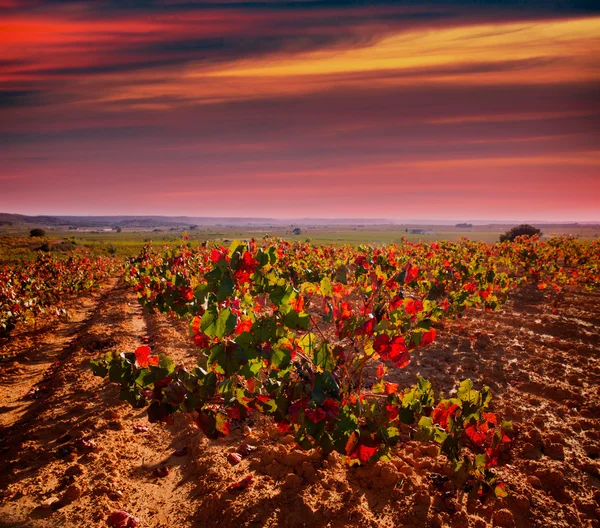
(17, 246)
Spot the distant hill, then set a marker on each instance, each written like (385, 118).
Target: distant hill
(184, 222)
(171, 221)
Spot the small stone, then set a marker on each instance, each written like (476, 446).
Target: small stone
(534, 482)
(294, 458)
(535, 437)
(49, 502)
(451, 504)
(555, 451)
(529, 451)
(288, 439)
(72, 493)
(115, 495)
(503, 518)
(115, 425)
(74, 470)
(522, 503)
(292, 481)
(388, 476)
(555, 479)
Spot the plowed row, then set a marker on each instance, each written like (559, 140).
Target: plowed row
(71, 452)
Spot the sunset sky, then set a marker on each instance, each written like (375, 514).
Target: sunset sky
(467, 110)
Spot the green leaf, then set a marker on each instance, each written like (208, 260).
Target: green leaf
(237, 246)
(500, 490)
(225, 323)
(207, 323)
(451, 448)
(226, 288)
(280, 295)
(296, 321)
(322, 357)
(481, 461)
(225, 358)
(99, 368)
(326, 288)
(325, 386)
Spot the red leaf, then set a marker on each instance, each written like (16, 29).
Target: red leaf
(411, 274)
(345, 311)
(242, 484)
(122, 519)
(366, 452)
(391, 388)
(138, 428)
(474, 434)
(397, 347)
(244, 325)
(315, 415)
(245, 449)
(187, 293)
(201, 340)
(367, 327)
(234, 458)
(284, 427)
(402, 360)
(298, 303)
(443, 412)
(161, 471)
(396, 302)
(196, 325)
(141, 356)
(331, 408)
(380, 344)
(356, 450)
(428, 337)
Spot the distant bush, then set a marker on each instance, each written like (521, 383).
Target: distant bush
(112, 250)
(37, 232)
(297, 231)
(522, 230)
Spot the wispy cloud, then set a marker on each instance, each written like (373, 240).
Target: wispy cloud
(367, 106)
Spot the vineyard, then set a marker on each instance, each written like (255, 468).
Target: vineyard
(270, 383)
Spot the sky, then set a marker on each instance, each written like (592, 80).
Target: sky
(436, 109)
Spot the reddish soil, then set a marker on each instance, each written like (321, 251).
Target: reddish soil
(71, 453)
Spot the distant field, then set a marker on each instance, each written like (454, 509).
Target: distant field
(16, 245)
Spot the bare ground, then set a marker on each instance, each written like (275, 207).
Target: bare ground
(70, 451)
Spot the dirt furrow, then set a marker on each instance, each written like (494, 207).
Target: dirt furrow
(33, 354)
(81, 453)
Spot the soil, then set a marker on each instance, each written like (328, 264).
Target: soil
(71, 453)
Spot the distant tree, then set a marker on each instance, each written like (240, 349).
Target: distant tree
(37, 232)
(193, 226)
(522, 230)
(465, 225)
(297, 231)
(119, 229)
